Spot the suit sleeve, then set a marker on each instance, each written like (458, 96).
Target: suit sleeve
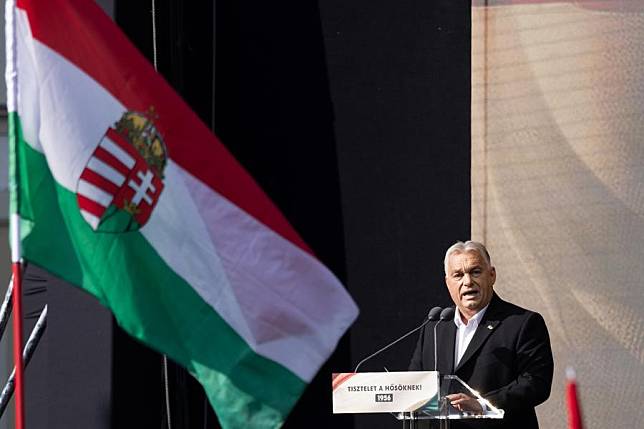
(416, 363)
(534, 368)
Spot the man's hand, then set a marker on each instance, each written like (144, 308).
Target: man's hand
(465, 403)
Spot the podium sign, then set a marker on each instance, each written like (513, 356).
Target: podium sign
(385, 392)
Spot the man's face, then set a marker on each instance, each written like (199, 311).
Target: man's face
(469, 280)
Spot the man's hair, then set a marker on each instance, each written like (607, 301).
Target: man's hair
(468, 246)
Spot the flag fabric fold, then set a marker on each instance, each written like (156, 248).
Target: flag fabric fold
(122, 191)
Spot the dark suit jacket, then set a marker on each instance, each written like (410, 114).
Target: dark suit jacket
(508, 361)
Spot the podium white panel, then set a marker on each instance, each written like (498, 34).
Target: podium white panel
(385, 392)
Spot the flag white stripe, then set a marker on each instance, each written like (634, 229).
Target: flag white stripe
(11, 73)
(94, 193)
(106, 171)
(118, 153)
(26, 102)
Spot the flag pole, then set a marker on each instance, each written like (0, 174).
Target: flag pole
(17, 341)
(11, 75)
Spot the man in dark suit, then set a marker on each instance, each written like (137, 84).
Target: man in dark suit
(499, 349)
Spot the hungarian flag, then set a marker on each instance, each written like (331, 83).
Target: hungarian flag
(118, 188)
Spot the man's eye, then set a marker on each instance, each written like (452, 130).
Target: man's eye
(476, 272)
(458, 275)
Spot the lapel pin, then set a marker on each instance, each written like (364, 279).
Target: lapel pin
(490, 327)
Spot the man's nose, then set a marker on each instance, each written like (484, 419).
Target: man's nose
(467, 279)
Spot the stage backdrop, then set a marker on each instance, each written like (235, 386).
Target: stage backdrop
(557, 186)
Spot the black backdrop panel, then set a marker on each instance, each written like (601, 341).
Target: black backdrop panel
(400, 85)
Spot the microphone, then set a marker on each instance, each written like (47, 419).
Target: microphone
(446, 314)
(433, 315)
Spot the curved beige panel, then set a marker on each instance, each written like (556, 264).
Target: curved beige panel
(557, 186)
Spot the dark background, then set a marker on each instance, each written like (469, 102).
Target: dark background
(354, 118)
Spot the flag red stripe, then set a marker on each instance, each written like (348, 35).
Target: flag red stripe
(105, 54)
(90, 206)
(112, 161)
(99, 181)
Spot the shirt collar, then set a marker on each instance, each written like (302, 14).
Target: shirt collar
(476, 319)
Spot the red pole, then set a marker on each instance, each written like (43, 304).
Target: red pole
(14, 133)
(574, 410)
(17, 344)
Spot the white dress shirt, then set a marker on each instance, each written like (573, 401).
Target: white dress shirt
(464, 333)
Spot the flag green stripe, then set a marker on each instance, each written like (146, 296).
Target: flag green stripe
(148, 299)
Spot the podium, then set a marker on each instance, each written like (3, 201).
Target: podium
(408, 396)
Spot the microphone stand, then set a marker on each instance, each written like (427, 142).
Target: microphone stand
(430, 317)
(445, 315)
